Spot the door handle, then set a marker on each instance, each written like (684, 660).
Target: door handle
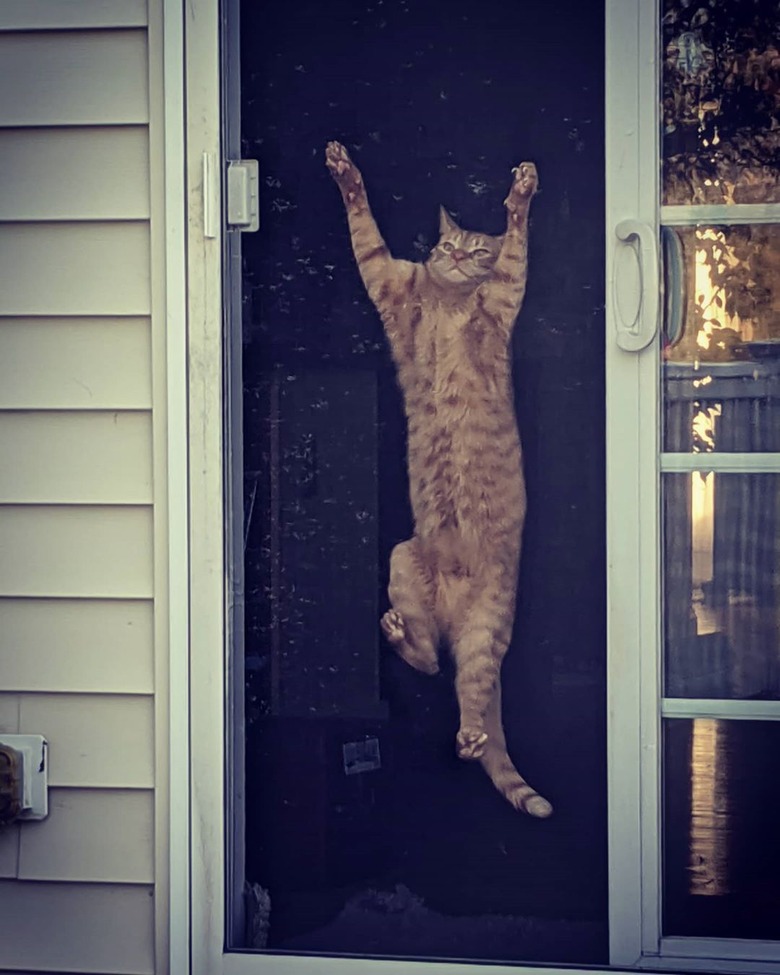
(637, 334)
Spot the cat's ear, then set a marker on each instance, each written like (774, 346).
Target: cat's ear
(446, 224)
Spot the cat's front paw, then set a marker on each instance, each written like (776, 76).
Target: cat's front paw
(341, 167)
(525, 184)
(470, 743)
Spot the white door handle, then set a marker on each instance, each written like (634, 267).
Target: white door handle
(635, 335)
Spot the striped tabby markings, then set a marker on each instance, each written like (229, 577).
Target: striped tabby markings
(448, 323)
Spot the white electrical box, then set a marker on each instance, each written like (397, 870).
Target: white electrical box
(24, 773)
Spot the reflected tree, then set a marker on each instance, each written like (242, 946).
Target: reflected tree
(720, 101)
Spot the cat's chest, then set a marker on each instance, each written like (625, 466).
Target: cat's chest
(441, 346)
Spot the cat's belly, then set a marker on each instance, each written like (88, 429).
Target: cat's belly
(467, 493)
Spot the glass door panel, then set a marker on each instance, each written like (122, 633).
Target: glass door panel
(720, 476)
(721, 141)
(722, 585)
(721, 850)
(365, 833)
(721, 341)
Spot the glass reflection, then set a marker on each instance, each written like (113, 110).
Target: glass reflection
(720, 100)
(722, 571)
(721, 355)
(721, 850)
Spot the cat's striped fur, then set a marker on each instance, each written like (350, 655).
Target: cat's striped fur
(449, 323)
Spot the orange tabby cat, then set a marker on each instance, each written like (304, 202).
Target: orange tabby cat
(449, 322)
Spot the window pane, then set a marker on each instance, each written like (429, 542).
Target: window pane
(721, 355)
(721, 864)
(721, 142)
(721, 585)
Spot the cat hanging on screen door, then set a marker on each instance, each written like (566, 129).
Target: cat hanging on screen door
(449, 323)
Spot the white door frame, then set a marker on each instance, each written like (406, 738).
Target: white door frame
(632, 486)
(197, 725)
(198, 542)
(634, 466)
(177, 841)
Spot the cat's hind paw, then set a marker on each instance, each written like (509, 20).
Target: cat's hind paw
(393, 626)
(470, 744)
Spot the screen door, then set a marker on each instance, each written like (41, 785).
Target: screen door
(362, 831)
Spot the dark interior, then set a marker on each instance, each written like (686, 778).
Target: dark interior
(367, 831)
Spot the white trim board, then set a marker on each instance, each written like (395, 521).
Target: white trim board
(727, 709)
(254, 963)
(721, 462)
(720, 215)
(178, 934)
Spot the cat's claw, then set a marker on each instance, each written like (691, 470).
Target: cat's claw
(393, 626)
(526, 178)
(470, 744)
(525, 184)
(341, 167)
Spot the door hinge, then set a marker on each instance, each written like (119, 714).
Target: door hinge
(243, 198)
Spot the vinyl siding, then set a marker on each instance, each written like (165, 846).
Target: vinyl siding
(80, 363)
(75, 174)
(73, 78)
(88, 551)
(88, 927)
(54, 14)
(80, 510)
(88, 645)
(69, 268)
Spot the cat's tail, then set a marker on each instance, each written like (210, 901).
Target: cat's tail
(503, 774)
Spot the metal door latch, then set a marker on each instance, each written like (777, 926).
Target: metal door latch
(243, 198)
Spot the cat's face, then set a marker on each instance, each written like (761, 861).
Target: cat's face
(462, 258)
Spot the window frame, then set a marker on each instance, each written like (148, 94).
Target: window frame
(632, 187)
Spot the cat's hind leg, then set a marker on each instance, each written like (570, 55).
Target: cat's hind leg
(477, 672)
(479, 643)
(409, 625)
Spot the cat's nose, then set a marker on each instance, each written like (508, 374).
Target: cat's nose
(457, 254)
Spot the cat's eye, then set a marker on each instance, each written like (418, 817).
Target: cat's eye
(447, 247)
(480, 252)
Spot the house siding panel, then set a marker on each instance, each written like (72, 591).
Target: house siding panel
(77, 645)
(81, 639)
(91, 835)
(75, 174)
(80, 363)
(87, 268)
(76, 551)
(77, 927)
(96, 741)
(102, 457)
(53, 14)
(73, 78)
